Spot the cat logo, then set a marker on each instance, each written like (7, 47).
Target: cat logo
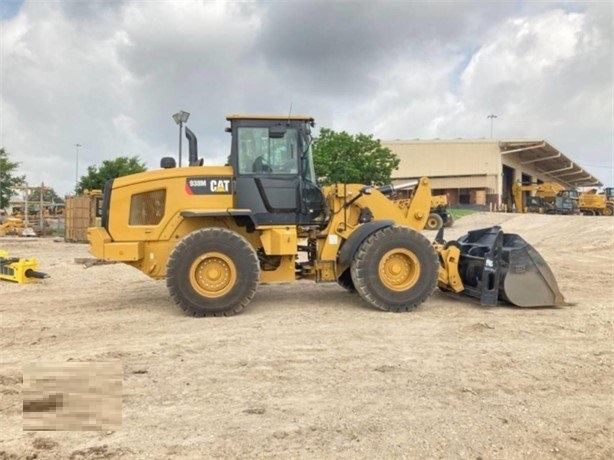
(208, 185)
(220, 186)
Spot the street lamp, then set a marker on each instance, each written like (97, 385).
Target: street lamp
(180, 118)
(77, 166)
(492, 117)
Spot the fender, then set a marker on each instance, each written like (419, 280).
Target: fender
(350, 246)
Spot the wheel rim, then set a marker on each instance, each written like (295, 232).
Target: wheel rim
(608, 211)
(213, 274)
(399, 269)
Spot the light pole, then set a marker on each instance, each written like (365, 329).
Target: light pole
(492, 117)
(180, 118)
(77, 166)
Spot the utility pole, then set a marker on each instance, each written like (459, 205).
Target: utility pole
(77, 167)
(492, 117)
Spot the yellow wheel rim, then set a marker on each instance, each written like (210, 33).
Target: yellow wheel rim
(399, 269)
(607, 211)
(213, 274)
(431, 223)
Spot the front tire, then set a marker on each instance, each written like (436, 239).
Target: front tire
(212, 272)
(395, 269)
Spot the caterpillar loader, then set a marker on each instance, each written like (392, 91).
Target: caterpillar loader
(592, 203)
(215, 232)
(440, 215)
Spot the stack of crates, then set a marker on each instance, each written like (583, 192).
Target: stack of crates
(81, 212)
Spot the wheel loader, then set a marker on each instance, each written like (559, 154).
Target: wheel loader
(214, 233)
(440, 215)
(592, 203)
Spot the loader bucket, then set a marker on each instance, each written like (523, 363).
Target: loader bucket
(502, 266)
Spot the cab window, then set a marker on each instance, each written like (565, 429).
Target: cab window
(261, 154)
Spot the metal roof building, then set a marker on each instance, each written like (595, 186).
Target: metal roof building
(482, 171)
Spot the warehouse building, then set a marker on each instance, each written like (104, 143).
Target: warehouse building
(482, 171)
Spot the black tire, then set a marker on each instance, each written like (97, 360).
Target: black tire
(345, 281)
(212, 272)
(449, 221)
(395, 269)
(608, 210)
(434, 222)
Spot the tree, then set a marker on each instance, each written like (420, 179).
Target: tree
(49, 195)
(341, 157)
(8, 179)
(110, 169)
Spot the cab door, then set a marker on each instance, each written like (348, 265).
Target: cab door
(267, 179)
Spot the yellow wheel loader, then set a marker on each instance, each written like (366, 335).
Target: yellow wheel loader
(215, 232)
(440, 215)
(597, 204)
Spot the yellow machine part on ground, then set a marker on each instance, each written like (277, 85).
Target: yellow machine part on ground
(19, 270)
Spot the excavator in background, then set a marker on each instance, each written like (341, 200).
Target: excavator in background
(214, 233)
(546, 198)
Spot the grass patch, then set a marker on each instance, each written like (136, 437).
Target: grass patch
(461, 212)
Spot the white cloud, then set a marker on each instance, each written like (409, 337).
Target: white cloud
(108, 75)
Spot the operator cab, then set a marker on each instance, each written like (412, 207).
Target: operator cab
(273, 164)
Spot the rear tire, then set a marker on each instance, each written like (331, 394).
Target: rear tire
(395, 269)
(212, 272)
(434, 222)
(608, 210)
(449, 221)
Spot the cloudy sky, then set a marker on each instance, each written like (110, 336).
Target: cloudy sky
(108, 74)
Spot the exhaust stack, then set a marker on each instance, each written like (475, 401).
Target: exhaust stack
(193, 148)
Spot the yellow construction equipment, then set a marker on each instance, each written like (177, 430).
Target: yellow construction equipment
(215, 232)
(545, 198)
(598, 204)
(19, 270)
(11, 226)
(439, 215)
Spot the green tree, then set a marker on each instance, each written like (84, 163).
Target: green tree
(8, 178)
(110, 169)
(342, 157)
(49, 196)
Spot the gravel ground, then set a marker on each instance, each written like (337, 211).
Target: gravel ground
(309, 371)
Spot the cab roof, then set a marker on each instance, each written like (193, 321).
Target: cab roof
(236, 116)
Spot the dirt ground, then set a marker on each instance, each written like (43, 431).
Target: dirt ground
(309, 371)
